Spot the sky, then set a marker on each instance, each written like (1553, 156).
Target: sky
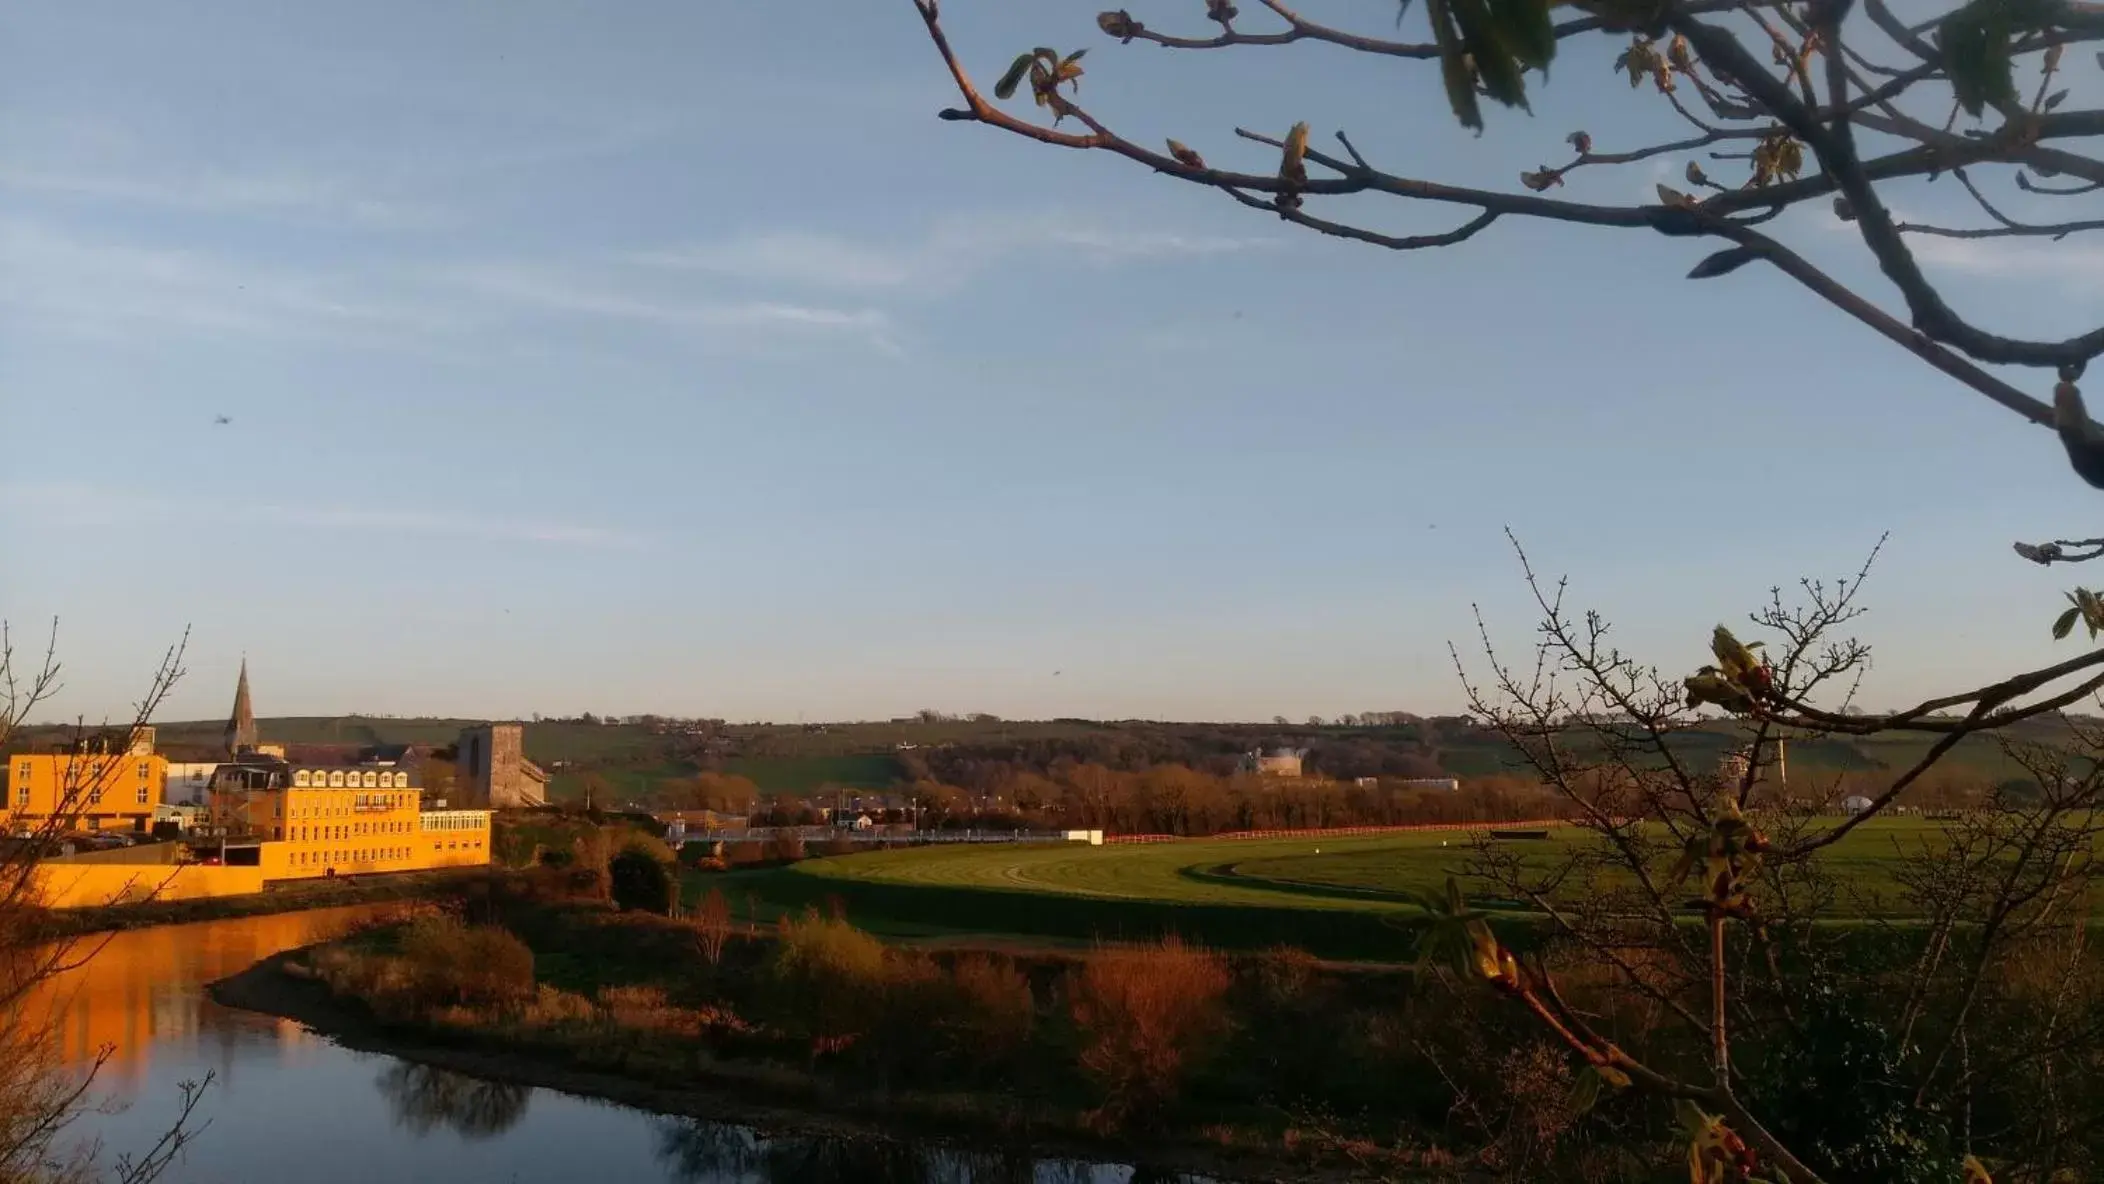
(673, 357)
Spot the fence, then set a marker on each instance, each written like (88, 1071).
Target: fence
(1338, 831)
(890, 835)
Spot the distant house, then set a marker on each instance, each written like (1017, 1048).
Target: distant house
(1854, 804)
(1279, 762)
(1449, 784)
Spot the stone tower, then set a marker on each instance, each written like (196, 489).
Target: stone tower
(241, 724)
(490, 769)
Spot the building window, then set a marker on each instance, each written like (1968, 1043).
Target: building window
(302, 778)
(95, 794)
(22, 796)
(24, 769)
(372, 780)
(143, 794)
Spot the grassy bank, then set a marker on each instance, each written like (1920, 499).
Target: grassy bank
(1251, 1064)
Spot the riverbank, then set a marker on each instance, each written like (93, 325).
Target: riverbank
(769, 1097)
(290, 898)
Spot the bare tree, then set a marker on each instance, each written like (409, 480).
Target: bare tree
(41, 1098)
(1840, 111)
(1705, 925)
(1823, 104)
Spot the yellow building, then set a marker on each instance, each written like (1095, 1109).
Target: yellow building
(303, 821)
(267, 819)
(298, 820)
(102, 785)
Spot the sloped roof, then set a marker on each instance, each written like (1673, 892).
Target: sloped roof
(241, 723)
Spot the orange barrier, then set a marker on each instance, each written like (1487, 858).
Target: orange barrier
(1337, 831)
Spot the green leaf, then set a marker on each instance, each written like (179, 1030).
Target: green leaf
(1495, 62)
(1585, 1091)
(1692, 1118)
(1976, 45)
(1075, 56)
(1525, 26)
(1723, 262)
(2066, 624)
(1454, 70)
(1005, 88)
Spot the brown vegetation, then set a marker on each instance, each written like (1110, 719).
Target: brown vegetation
(1144, 1016)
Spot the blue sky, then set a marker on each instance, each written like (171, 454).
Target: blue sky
(674, 357)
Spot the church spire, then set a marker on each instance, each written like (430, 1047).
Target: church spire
(241, 725)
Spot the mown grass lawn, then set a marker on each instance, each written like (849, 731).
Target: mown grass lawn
(1343, 898)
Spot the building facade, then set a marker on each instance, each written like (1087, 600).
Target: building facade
(491, 770)
(300, 820)
(100, 788)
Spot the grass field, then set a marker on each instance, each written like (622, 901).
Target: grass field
(1339, 897)
(804, 774)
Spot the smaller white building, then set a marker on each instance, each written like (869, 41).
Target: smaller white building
(187, 781)
(1854, 804)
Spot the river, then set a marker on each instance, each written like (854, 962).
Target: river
(285, 1104)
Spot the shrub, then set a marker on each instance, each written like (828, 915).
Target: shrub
(645, 1009)
(1144, 1016)
(558, 857)
(712, 925)
(451, 964)
(831, 975)
(640, 881)
(632, 840)
(787, 848)
(991, 1010)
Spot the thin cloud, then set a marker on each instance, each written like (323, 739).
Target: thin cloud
(111, 290)
(948, 256)
(2076, 262)
(568, 291)
(84, 505)
(301, 199)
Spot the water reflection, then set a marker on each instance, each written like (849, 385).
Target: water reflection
(697, 1152)
(287, 1104)
(141, 990)
(424, 1099)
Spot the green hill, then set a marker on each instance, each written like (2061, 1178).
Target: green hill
(633, 759)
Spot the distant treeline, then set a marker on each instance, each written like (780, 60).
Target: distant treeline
(1159, 799)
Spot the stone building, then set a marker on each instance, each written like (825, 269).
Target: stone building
(490, 769)
(1279, 762)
